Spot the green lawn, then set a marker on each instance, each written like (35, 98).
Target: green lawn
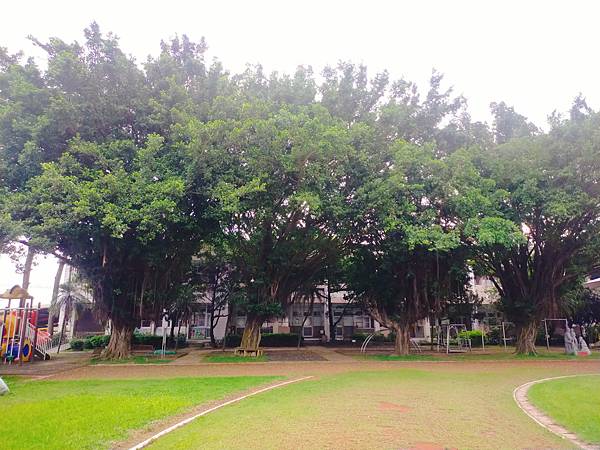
(573, 403)
(89, 414)
(412, 357)
(437, 407)
(234, 359)
(489, 354)
(132, 360)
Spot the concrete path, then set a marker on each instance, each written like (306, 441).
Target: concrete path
(331, 354)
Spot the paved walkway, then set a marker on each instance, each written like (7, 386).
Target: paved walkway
(331, 354)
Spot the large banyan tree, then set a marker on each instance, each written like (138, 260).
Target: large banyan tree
(93, 170)
(278, 201)
(126, 227)
(407, 261)
(538, 243)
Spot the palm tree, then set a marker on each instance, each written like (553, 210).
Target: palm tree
(57, 278)
(71, 297)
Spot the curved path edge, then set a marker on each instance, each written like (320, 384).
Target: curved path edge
(219, 405)
(520, 397)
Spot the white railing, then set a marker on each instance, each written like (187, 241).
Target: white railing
(44, 343)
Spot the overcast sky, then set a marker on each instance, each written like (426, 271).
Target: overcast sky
(534, 55)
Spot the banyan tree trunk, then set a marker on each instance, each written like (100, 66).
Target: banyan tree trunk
(526, 339)
(251, 336)
(402, 343)
(119, 346)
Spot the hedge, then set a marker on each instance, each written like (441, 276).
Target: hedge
(476, 336)
(77, 344)
(101, 341)
(378, 338)
(267, 340)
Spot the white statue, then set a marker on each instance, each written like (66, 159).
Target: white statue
(583, 348)
(3, 387)
(570, 342)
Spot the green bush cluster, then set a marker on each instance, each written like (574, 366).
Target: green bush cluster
(267, 340)
(494, 336)
(378, 338)
(279, 340)
(476, 337)
(77, 344)
(101, 341)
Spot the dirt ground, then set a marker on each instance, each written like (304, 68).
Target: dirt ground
(300, 368)
(282, 361)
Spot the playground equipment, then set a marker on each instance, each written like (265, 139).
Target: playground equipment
(449, 338)
(547, 334)
(508, 332)
(20, 336)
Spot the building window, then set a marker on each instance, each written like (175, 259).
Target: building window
(365, 322)
(307, 332)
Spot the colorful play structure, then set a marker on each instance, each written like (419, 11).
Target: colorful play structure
(22, 337)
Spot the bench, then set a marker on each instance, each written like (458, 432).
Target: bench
(248, 351)
(142, 349)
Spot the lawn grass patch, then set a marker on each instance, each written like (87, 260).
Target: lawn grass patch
(133, 360)
(90, 414)
(234, 359)
(416, 357)
(573, 403)
(493, 354)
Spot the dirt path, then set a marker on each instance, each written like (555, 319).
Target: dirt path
(63, 362)
(330, 354)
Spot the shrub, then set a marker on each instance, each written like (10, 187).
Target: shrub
(476, 336)
(233, 340)
(156, 341)
(77, 344)
(267, 340)
(147, 339)
(101, 341)
(279, 340)
(378, 338)
(98, 341)
(359, 337)
(182, 341)
(494, 336)
(593, 333)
